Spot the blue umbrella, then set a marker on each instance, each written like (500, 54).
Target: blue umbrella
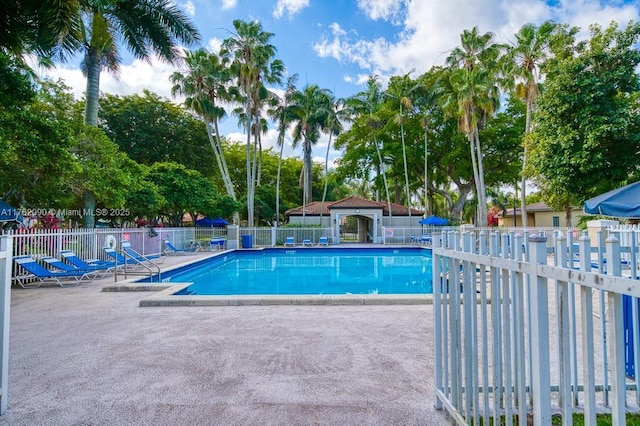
(8, 213)
(433, 221)
(621, 202)
(207, 221)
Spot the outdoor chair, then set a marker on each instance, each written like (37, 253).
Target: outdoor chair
(101, 266)
(218, 244)
(289, 241)
(42, 274)
(78, 262)
(323, 241)
(121, 260)
(426, 239)
(59, 265)
(171, 250)
(307, 243)
(140, 258)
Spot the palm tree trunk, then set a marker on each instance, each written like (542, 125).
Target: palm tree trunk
(523, 181)
(254, 167)
(326, 176)
(249, 178)
(92, 60)
(474, 164)
(482, 194)
(384, 177)
(278, 181)
(307, 171)
(406, 172)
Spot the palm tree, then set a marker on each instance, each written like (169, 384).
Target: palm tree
(470, 92)
(524, 60)
(145, 27)
(204, 85)
(400, 88)
(311, 110)
(364, 104)
(334, 126)
(51, 30)
(281, 113)
(253, 65)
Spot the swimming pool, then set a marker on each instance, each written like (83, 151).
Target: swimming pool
(309, 271)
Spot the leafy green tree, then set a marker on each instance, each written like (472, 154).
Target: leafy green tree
(184, 190)
(151, 129)
(104, 170)
(35, 137)
(588, 134)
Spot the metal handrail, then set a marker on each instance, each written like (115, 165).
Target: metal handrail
(144, 263)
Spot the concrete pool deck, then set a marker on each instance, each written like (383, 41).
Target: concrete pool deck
(83, 356)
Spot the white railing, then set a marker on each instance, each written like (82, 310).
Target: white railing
(520, 332)
(5, 304)
(271, 237)
(88, 243)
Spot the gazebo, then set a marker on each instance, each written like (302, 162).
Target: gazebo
(371, 216)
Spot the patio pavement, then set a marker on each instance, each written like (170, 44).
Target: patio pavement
(80, 356)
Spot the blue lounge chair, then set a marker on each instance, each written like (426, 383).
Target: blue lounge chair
(426, 239)
(42, 274)
(289, 241)
(76, 261)
(100, 267)
(323, 241)
(307, 243)
(59, 265)
(171, 250)
(140, 258)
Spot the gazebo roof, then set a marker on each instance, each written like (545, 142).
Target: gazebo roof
(315, 208)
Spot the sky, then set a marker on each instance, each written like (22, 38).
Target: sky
(337, 44)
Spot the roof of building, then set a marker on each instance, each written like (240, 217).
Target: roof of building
(315, 208)
(540, 206)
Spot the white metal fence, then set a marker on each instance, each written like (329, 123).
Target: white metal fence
(525, 330)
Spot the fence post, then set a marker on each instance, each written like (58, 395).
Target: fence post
(6, 249)
(616, 331)
(540, 357)
(588, 360)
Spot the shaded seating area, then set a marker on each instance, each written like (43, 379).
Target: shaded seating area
(37, 274)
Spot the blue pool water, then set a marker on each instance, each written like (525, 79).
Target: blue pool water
(310, 271)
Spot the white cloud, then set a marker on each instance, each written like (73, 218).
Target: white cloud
(190, 8)
(229, 4)
(432, 28)
(291, 7)
(214, 45)
(133, 78)
(381, 9)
